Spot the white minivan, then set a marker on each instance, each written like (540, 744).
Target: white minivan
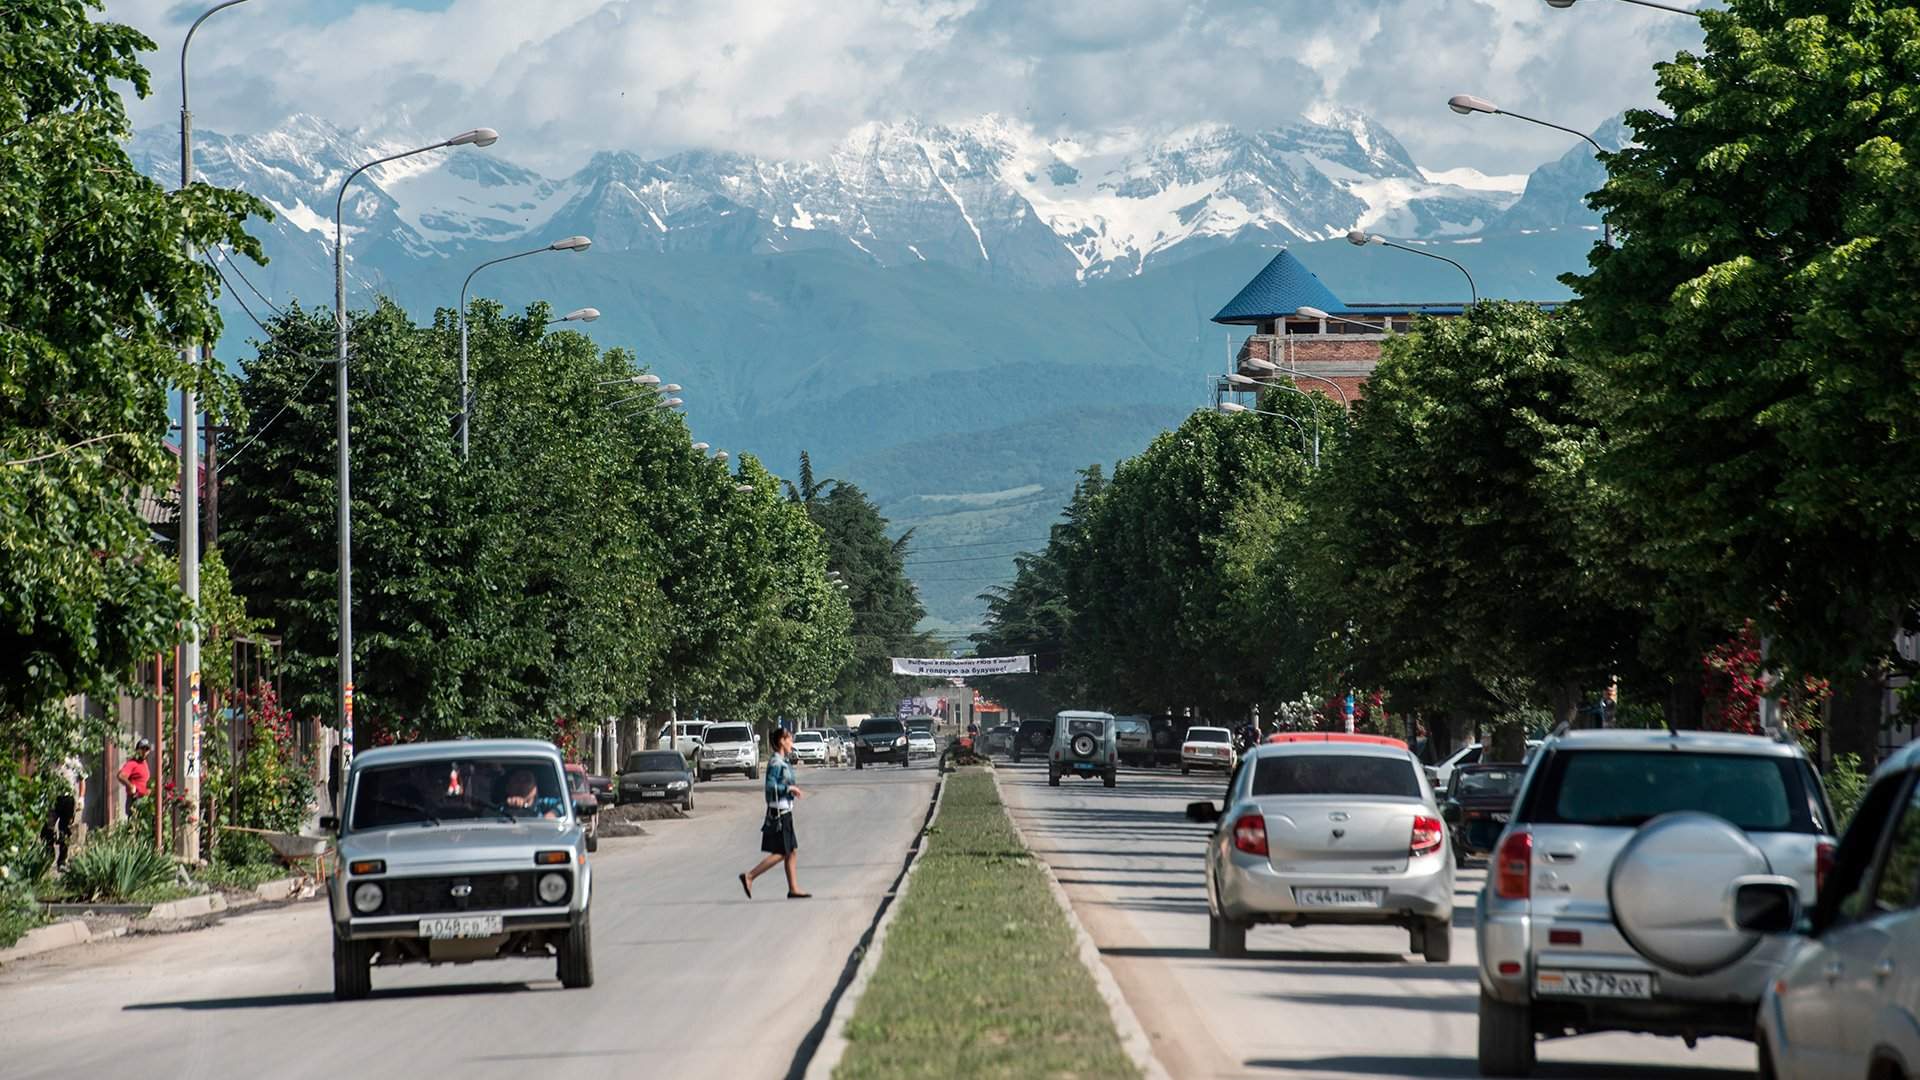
(728, 747)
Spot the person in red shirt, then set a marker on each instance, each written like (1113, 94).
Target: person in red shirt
(135, 774)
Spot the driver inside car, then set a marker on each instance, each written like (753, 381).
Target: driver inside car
(523, 793)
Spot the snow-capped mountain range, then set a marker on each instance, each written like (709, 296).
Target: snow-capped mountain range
(990, 194)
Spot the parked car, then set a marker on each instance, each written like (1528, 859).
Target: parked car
(880, 738)
(601, 786)
(842, 737)
(729, 747)
(1609, 899)
(1847, 1003)
(684, 736)
(1134, 736)
(457, 852)
(811, 748)
(1477, 806)
(1168, 733)
(1328, 829)
(1034, 739)
(998, 739)
(581, 791)
(1084, 746)
(1207, 748)
(657, 774)
(1470, 754)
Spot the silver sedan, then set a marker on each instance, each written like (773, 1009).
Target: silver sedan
(1328, 829)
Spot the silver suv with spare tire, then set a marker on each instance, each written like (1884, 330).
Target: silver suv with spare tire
(1609, 903)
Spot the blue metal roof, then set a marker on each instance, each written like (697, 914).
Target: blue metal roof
(1282, 288)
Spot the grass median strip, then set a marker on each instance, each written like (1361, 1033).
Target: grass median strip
(981, 975)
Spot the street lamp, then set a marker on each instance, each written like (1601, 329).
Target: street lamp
(1234, 408)
(648, 379)
(1256, 363)
(720, 455)
(671, 388)
(700, 446)
(474, 137)
(186, 690)
(585, 314)
(1467, 105)
(743, 488)
(1316, 313)
(571, 243)
(1361, 238)
(1565, 4)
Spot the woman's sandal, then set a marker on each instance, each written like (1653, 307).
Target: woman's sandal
(746, 886)
(799, 896)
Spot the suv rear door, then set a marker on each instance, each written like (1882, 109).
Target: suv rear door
(1584, 805)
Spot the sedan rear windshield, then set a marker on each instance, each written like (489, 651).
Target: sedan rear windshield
(1335, 774)
(1626, 788)
(882, 727)
(1207, 734)
(657, 761)
(726, 733)
(1491, 782)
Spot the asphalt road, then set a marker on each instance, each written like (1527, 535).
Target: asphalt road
(1337, 1002)
(691, 978)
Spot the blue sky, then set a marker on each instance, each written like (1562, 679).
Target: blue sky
(565, 78)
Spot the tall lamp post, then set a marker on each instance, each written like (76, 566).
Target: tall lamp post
(186, 691)
(1361, 238)
(1234, 408)
(1565, 4)
(475, 137)
(1467, 105)
(1250, 382)
(571, 243)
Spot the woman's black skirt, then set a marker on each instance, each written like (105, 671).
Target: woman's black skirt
(776, 834)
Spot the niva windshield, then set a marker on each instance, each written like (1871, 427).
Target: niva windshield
(461, 789)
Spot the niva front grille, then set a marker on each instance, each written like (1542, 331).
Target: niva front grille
(464, 892)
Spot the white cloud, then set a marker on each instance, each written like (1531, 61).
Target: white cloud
(563, 78)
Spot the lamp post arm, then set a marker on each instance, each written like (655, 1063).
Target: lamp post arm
(1472, 289)
(1606, 229)
(1666, 7)
(466, 397)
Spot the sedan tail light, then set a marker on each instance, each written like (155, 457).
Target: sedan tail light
(1513, 867)
(1426, 835)
(1250, 834)
(1822, 864)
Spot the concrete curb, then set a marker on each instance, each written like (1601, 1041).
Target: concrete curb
(1133, 1035)
(833, 1044)
(46, 939)
(286, 888)
(192, 907)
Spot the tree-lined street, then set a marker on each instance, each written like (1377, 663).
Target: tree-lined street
(692, 979)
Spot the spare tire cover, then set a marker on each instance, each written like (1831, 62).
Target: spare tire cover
(1668, 891)
(1084, 745)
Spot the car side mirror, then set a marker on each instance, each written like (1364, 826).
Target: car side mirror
(1203, 812)
(1764, 904)
(586, 807)
(329, 823)
(1451, 811)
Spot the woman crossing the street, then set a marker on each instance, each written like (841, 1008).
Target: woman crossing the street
(776, 830)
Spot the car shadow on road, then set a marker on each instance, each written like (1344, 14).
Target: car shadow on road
(1454, 1003)
(1293, 956)
(322, 997)
(1428, 1066)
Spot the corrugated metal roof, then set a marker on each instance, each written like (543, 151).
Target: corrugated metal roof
(1282, 288)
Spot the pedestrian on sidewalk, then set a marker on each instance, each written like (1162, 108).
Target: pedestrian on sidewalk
(134, 775)
(776, 830)
(70, 789)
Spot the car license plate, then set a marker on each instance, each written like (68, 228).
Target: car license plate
(1338, 897)
(463, 926)
(653, 790)
(1600, 984)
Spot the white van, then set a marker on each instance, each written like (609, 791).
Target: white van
(684, 736)
(728, 747)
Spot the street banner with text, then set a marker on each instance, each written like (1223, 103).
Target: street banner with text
(942, 668)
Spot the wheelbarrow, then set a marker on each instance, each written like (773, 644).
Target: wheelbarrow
(293, 849)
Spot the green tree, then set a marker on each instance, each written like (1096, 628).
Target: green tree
(1034, 614)
(885, 606)
(1452, 522)
(96, 297)
(1754, 337)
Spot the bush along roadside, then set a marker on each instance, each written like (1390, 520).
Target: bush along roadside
(981, 975)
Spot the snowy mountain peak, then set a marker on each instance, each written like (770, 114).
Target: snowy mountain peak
(990, 193)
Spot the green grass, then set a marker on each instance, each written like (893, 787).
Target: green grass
(244, 877)
(981, 975)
